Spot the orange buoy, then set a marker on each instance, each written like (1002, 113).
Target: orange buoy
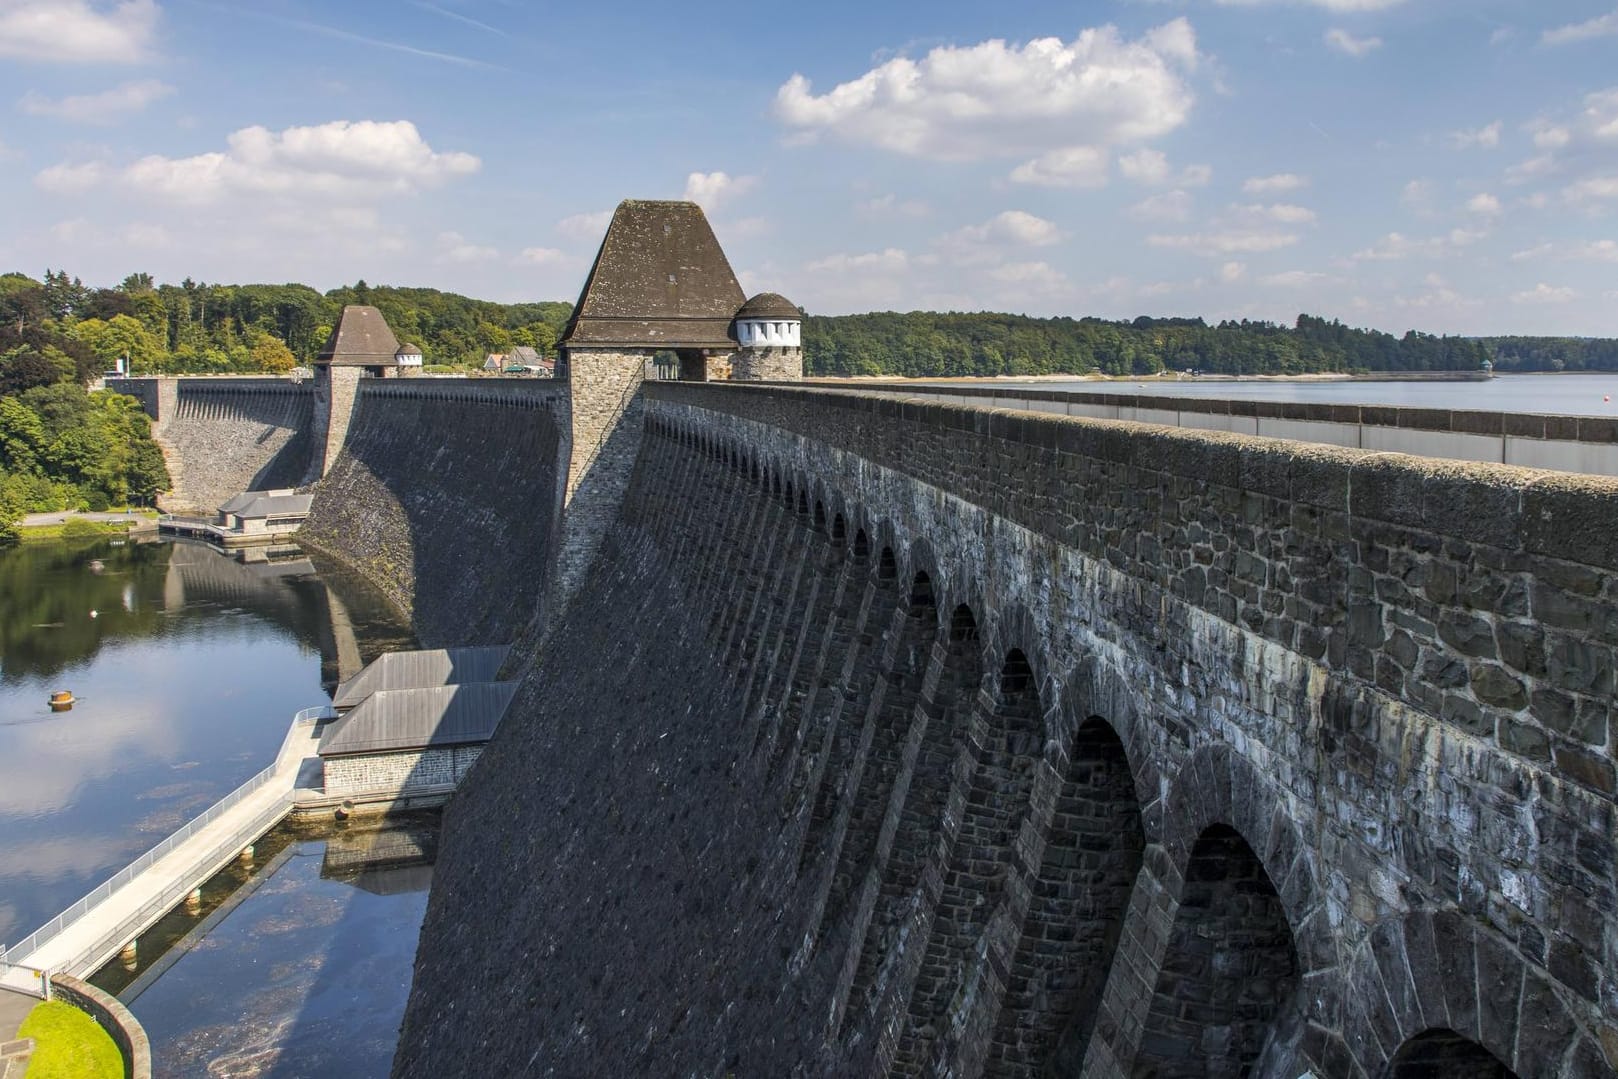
(61, 701)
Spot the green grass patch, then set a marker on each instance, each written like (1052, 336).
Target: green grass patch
(68, 1044)
(74, 528)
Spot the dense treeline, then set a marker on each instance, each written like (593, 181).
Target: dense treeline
(1553, 353)
(201, 328)
(923, 343)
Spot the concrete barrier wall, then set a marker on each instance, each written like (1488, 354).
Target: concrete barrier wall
(1586, 444)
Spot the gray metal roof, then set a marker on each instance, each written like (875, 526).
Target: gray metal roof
(361, 337)
(263, 505)
(400, 719)
(421, 670)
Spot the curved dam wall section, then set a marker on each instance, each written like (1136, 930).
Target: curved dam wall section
(447, 497)
(222, 436)
(896, 738)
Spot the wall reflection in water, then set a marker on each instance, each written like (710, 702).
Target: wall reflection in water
(187, 666)
(300, 966)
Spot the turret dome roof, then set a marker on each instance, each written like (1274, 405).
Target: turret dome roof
(770, 305)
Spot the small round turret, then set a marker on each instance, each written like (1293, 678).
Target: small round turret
(769, 320)
(408, 356)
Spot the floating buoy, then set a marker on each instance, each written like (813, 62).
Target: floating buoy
(94, 613)
(1606, 397)
(96, 565)
(62, 700)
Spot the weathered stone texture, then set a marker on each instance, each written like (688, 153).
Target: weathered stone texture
(461, 478)
(443, 766)
(221, 437)
(1206, 755)
(767, 364)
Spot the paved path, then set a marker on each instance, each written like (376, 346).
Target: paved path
(14, 1008)
(96, 936)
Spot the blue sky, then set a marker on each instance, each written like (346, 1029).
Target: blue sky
(1449, 165)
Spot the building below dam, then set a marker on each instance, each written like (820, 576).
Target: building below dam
(867, 734)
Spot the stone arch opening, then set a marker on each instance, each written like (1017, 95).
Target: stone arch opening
(887, 567)
(862, 545)
(693, 364)
(1230, 965)
(1441, 1053)
(803, 500)
(839, 530)
(820, 516)
(1093, 853)
(981, 866)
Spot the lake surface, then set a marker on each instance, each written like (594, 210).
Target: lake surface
(299, 966)
(188, 666)
(1567, 395)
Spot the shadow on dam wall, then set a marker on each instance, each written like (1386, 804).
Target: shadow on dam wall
(447, 501)
(912, 740)
(232, 435)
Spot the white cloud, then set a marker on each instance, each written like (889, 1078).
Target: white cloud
(106, 107)
(997, 99)
(891, 260)
(1329, 5)
(1531, 169)
(455, 248)
(893, 206)
(1592, 188)
(1543, 293)
(77, 31)
(1395, 246)
(587, 226)
(360, 159)
(711, 189)
(1226, 241)
(1349, 45)
(1552, 137)
(1600, 26)
(1169, 206)
(1484, 205)
(1274, 184)
(1594, 250)
(1231, 272)
(1151, 167)
(1282, 213)
(541, 256)
(1009, 228)
(1486, 137)
(65, 179)
(1074, 166)
(145, 235)
(1031, 276)
(1293, 279)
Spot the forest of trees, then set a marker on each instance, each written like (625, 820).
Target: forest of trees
(923, 343)
(62, 447)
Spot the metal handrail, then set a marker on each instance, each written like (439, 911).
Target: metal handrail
(38, 982)
(53, 928)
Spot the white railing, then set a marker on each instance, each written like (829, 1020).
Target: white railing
(23, 979)
(253, 828)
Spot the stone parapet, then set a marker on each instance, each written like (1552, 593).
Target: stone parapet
(110, 1014)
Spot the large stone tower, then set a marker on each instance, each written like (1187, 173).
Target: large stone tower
(769, 327)
(361, 345)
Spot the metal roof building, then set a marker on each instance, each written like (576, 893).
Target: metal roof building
(406, 719)
(425, 669)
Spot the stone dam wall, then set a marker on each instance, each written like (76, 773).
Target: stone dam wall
(892, 738)
(223, 436)
(447, 497)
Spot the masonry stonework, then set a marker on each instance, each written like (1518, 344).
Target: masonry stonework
(399, 773)
(970, 742)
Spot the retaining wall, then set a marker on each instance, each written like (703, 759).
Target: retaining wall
(117, 1020)
(447, 498)
(958, 742)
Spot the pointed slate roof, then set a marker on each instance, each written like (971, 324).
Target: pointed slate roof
(361, 338)
(660, 280)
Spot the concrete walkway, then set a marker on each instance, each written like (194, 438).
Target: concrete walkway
(14, 1008)
(98, 934)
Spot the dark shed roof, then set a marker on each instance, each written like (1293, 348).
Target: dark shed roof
(660, 280)
(769, 305)
(422, 669)
(361, 338)
(403, 719)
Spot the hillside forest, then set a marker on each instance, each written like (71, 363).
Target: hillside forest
(63, 447)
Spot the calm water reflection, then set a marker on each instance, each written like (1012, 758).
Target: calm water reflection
(304, 969)
(1566, 395)
(188, 665)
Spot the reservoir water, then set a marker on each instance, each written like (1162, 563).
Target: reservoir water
(187, 666)
(1567, 395)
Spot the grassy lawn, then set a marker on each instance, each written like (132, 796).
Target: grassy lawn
(68, 1044)
(75, 529)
